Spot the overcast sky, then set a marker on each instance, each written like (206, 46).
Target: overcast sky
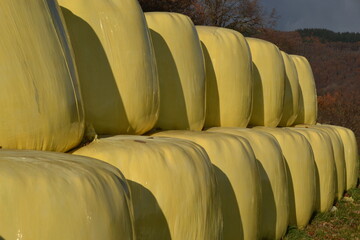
(336, 15)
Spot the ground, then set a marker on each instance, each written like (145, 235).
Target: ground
(343, 222)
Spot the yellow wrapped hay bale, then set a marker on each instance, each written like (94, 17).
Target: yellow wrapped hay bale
(60, 196)
(339, 157)
(300, 165)
(40, 104)
(228, 77)
(292, 92)
(275, 196)
(181, 71)
(269, 83)
(172, 183)
(238, 179)
(351, 155)
(308, 97)
(116, 63)
(325, 166)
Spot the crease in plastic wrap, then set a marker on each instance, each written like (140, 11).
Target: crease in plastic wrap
(274, 209)
(172, 182)
(47, 195)
(116, 64)
(300, 167)
(40, 102)
(229, 85)
(325, 169)
(292, 92)
(269, 83)
(351, 155)
(308, 108)
(339, 157)
(238, 179)
(181, 70)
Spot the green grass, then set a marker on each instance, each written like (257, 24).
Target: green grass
(344, 223)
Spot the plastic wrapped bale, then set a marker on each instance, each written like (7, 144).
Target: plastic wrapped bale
(228, 77)
(292, 92)
(351, 155)
(325, 166)
(238, 178)
(269, 83)
(116, 64)
(172, 182)
(181, 71)
(40, 104)
(275, 196)
(308, 97)
(300, 166)
(339, 157)
(46, 195)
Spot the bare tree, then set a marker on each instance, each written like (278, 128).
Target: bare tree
(246, 16)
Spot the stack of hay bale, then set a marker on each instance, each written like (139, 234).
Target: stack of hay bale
(198, 132)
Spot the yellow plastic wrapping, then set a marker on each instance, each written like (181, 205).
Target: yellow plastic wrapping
(339, 157)
(300, 166)
(40, 104)
(116, 64)
(181, 71)
(351, 155)
(238, 177)
(172, 182)
(275, 196)
(308, 97)
(60, 196)
(325, 166)
(228, 77)
(269, 83)
(292, 92)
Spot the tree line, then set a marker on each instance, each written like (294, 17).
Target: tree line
(326, 35)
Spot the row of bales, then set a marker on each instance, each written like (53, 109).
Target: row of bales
(198, 132)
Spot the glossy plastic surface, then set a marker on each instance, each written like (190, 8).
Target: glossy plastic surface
(292, 92)
(238, 178)
(59, 196)
(181, 69)
(172, 182)
(40, 104)
(300, 166)
(308, 97)
(116, 64)
(229, 86)
(325, 167)
(269, 83)
(275, 195)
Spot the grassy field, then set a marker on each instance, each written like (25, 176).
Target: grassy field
(343, 222)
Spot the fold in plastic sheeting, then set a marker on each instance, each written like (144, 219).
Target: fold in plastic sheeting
(116, 64)
(325, 166)
(308, 97)
(61, 196)
(228, 77)
(40, 104)
(300, 167)
(172, 182)
(269, 83)
(238, 178)
(292, 92)
(339, 157)
(181, 69)
(351, 155)
(274, 186)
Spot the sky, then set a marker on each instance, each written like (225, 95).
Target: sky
(335, 15)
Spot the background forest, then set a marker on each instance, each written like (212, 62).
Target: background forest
(334, 57)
